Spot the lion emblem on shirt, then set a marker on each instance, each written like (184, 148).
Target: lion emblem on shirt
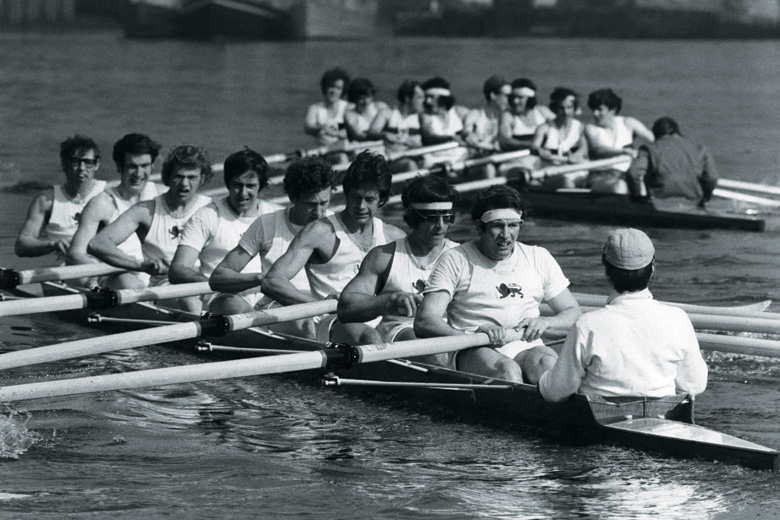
(507, 290)
(419, 286)
(175, 232)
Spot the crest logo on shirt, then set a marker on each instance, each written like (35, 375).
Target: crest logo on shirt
(77, 217)
(419, 286)
(509, 290)
(175, 232)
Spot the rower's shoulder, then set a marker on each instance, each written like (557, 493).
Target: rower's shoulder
(393, 233)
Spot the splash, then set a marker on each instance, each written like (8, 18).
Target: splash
(15, 438)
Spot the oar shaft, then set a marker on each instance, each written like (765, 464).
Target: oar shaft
(280, 314)
(53, 274)
(66, 302)
(748, 186)
(165, 292)
(586, 165)
(752, 199)
(739, 345)
(423, 150)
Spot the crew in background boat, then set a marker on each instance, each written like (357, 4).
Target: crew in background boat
(363, 109)
(611, 136)
(495, 283)
(160, 221)
(399, 126)
(518, 125)
(309, 184)
(215, 229)
(331, 249)
(634, 346)
(134, 156)
(674, 167)
(325, 120)
(393, 276)
(53, 216)
(562, 140)
(480, 128)
(441, 121)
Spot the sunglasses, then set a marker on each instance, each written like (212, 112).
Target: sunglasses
(433, 218)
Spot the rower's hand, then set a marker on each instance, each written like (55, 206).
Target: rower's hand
(495, 333)
(154, 266)
(404, 303)
(333, 296)
(533, 328)
(60, 246)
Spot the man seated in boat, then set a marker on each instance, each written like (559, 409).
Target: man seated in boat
(635, 346)
(53, 216)
(441, 121)
(399, 127)
(363, 109)
(332, 249)
(215, 229)
(392, 276)
(480, 127)
(309, 184)
(325, 120)
(612, 135)
(495, 283)
(674, 167)
(158, 223)
(134, 156)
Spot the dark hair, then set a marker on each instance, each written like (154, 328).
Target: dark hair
(426, 189)
(628, 280)
(439, 82)
(493, 85)
(134, 144)
(369, 169)
(497, 197)
(606, 97)
(77, 143)
(360, 87)
(246, 160)
(331, 76)
(308, 175)
(665, 126)
(526, 83)
(406, 90)
(186, 156)
(559, 95)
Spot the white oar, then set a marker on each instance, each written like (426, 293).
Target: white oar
(578, 167)
(749, 186)
(334, 357)
(739, 345)
(751, 199)
(412, 152)
(750, 311)
(215, 326)
(101, 299)
(10, 278)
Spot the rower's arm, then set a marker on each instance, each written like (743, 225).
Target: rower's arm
(505, 134)
(692, 370)
(310, 125)
(30, 241)
(566, 376)
(182, 268)
(538, 144)
(640, 130)
(429, 323)
(89, 223)
(429, 137)
(228, 278)
(567, 310)
(277, 283)
(104, 245)
(376, 130)
(353, 131)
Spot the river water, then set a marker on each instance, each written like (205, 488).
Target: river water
(274, 447)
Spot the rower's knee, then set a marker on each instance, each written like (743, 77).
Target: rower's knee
(229, 304)
(536, 362)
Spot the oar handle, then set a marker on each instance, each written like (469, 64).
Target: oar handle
(164, 292)
(279, 314)
(496, 158)
(423, 150)
(10, 278)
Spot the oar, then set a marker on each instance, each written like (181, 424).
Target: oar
(10, 278)
(343, 356)
(739, 345)
(213, 326)
(103, 298)
(749, 186)
(578, 167)
(752, 199)
(751, 311)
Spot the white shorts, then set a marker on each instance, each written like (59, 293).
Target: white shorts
(390, 331)
(324, 324)
(251, 296)
(513, 348)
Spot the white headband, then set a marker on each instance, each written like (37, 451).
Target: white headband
(527, 92)
(438, 91)
(432, 205)
(501, 214)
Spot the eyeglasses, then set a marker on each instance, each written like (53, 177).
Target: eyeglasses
(433, 218)
(75, 162)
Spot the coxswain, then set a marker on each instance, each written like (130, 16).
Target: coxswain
(493, 284)
(53, 216)
(325, 120)
(399, 127)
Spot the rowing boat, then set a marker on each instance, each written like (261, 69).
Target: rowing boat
(663, 426)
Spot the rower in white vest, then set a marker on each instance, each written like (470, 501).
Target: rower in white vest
(158, 222)
(53, 216)
(441, 122)
(216, 229)
(399, 126)
(331, 249)
(134, 156)
(309, 184)
(393, 276)
(325, 120)
(496, 283)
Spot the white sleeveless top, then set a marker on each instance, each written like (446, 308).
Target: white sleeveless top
(333, 275)
(407, 276)
(523, 130)
(65, 213)
(405, 126)
(325, 119)
(450, 124)
(364, 120)
(623, 136)
(131, 246)
(162, 239)
(485, 128)
(559, 142)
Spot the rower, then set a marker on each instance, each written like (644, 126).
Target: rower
(363, 109)
(635, 346)
(525, 115)
(325, 120)
(441, 121)
(495, 283)
(53, 216)
(399, 127)
(215, 229)
(480, 128)
(309, 184)
(158, 222)
(393, 276)
(134, 156)
(331, 249)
